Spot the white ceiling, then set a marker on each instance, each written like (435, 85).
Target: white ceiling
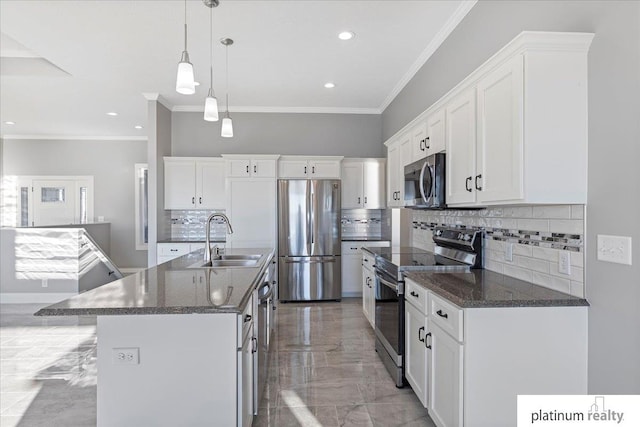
(65, 64)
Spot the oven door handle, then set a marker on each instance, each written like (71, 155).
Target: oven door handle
(389, 284)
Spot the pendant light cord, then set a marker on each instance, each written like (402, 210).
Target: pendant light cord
(226, 51)
(185, 25)
(211, 45)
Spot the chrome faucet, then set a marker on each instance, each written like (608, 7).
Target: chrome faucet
(207, 247)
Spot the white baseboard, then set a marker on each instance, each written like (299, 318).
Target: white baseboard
(33, 297)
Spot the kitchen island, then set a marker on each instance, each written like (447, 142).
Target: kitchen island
(177, 343)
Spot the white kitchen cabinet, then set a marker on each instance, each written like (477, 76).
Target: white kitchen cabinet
(250, 166)
(251, 208)
(445, 382)
(292, 167)
(194, 183)
(478, 360)
(416, 369)
(363, 184)
(419, 141)
(352, 265)
(399, 154)
(461, 146)
(169, 251)
(435, 140)
(368, 287)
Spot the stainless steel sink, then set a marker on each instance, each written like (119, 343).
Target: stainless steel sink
(227, 261)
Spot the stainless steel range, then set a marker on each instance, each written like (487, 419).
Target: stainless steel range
(455, 250)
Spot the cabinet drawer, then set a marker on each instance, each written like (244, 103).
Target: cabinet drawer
(368, 260)
(446, 315)
(245, 321)
(173, 249)
(416, 295)
(351, 248)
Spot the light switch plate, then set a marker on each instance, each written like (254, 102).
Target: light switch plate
(508, 251)
(614, 249)
(564, 262)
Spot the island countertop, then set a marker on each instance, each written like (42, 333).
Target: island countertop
(174, 287)
(484, 288)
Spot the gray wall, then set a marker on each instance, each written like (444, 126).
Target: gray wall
(111, 163)
(614, 107)
(350, 135)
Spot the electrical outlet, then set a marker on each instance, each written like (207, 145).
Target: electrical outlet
(614, 249)
(126, 356)
(564, 262)
(45, 283)
(100, 218)
(508, 251)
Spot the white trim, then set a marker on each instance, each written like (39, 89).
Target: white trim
(32, 297)
(140, 245)
(296, 110)
(435, 43)
(151, 96)
(77, 138)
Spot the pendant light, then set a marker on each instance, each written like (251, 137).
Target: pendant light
(185, 82)
(227, 124)
(211, 102)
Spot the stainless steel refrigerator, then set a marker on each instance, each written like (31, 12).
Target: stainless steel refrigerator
(309, 240)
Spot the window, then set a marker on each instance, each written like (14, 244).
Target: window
(52, 195)
(142, 206)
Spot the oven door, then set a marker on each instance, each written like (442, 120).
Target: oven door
(389, 314)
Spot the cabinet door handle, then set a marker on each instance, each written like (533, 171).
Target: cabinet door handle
(200, 200)
(467, 182)
(358, 200)
(426, 144)
(422, 145)
(313, 169)
(441, 314)
(247, 318)
(255, 169)
(413, 294)
(173, 250)
(193, 200)
(254, 344)
(305, 170)
(426, 341)
(247, 168)
(479, 188)
(365, 200)
(354, 249)
(421, 329)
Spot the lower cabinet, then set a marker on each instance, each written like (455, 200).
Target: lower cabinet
(368, 288)
(468, 365)
(169, 251)
(445, 382)
(416, 367)
(246, 380)
(352, 265)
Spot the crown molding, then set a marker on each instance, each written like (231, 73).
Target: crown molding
(155, 96)
(435, 43)
(297, 110)
(77, 138)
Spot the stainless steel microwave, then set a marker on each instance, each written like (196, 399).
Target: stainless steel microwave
(424, 183)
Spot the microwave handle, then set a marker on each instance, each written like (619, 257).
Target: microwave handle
(422, 172)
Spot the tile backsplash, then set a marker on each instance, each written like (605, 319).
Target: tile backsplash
(361, 224)
(538, 235)
(190, 225)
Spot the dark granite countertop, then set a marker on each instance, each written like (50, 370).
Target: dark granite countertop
(173, 287)
(484, 288)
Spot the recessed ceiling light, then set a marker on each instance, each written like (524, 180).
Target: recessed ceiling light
(329, 85)
(196, 83)
(138, 127)
(346, 35)
(9, 123)
(112, 113)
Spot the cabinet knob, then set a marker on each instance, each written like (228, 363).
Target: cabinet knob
(193, 200)
(467, 184)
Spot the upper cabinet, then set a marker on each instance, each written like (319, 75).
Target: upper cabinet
(515, 130)
(250, 166)
(194, 183)
(399, 154)
(309, 167)
(363, 184)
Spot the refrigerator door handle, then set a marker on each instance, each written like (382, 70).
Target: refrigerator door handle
(313, 219)
(310, 261)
